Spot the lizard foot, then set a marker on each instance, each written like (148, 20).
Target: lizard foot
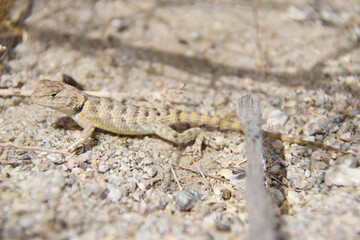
(201, 139)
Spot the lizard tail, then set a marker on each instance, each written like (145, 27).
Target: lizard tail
(192, 117)
(301, 141)
(204, 119)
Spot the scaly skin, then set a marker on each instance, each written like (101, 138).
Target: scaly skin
(127, 118)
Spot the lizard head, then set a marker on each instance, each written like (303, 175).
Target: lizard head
(58, 96)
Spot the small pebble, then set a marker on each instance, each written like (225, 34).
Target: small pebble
(117, 23)
(347, 127)
(72, 162)
(347, 160)
(155, 199)
(330, 17)
(104, 158)
(24, 157)
(325, 157)
(223, 227)
(293, 197)
(316, 155)
(145, 176)
(142, 208)
(226, 194)
(26, 221)
(226, 173)
(319, 138)
(141, 155)
(141, 186)
(186, 199)
(56, 158)
(346, 136)
(342, 175)
(85, 157)
(275, 168)
(275, 101)
(112, 161)
(277, 119)
(103, 167)
(277, 145)
(147, 161)
(93, 188)
(319, 165)
(84, 166)
(297, 14)
(77, 171)
(338, 119)
(333, 127)
(152, 172)
(114, 194)
(317, 126)
(237, 148)
(307, 152)
(276, 195)
(288, 158)
(36, 161)
(137, 196)
(300, 184)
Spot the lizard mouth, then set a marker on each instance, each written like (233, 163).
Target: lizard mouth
(36, 101)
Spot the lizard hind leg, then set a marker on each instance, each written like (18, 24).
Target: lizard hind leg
(196, 134)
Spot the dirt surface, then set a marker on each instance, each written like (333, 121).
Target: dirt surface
(304, 66)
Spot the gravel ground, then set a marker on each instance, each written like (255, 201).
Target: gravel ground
(304, 68)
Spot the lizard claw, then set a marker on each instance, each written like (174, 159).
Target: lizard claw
(78, 148)
(194, 150)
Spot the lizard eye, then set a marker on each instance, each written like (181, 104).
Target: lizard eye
(53, 95)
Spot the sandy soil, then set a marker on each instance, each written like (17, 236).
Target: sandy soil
(304, 66)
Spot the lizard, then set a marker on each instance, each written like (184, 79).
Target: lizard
(128, 118)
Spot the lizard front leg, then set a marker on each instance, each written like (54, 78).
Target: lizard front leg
(88, 130)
